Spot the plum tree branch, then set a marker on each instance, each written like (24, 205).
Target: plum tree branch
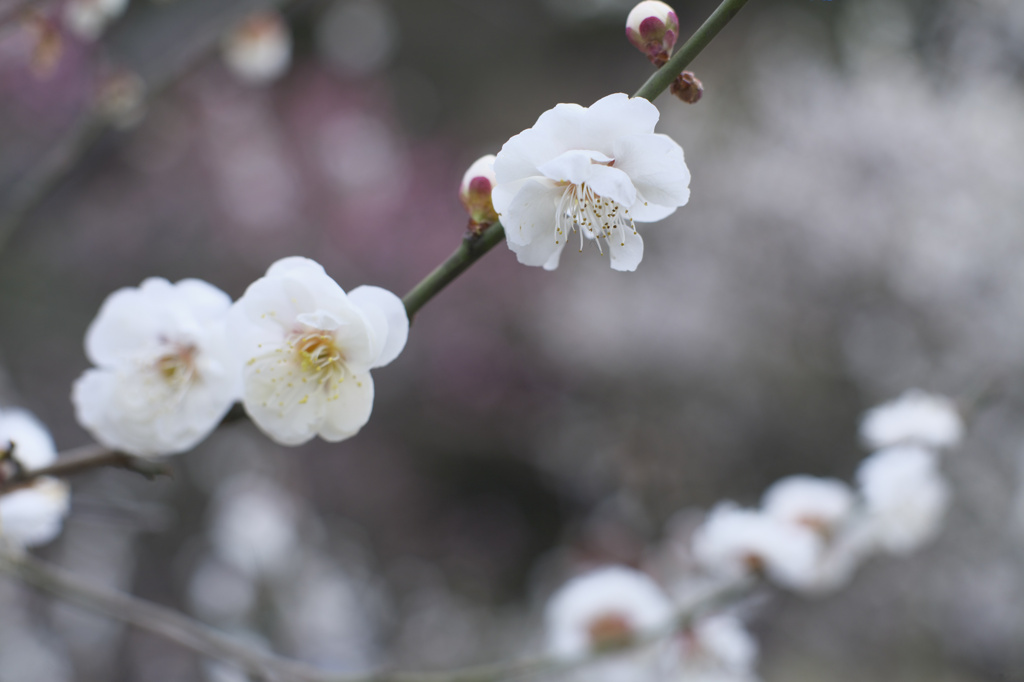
(206, 641)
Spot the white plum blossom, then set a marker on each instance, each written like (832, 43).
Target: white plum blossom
(915, 417)
(822, 504)
(88, 18)
(165, 375)
(596, 170)
(604, 609)
(905, 497)
(259, 49)
(714, 649)
(31, 515)
(308, 348)
(734, 542)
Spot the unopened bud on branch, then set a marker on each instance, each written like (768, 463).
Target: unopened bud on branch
(687, 87)
(475, 193)
(652, 27)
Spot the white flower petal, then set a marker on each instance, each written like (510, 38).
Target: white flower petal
(33, 445)
(905, 496)
(656, 166)
(396, 321)
(349, 410)
(34, 515)
(915, 417)
(545, 253)
(530, 215)
(613, 184)
(574, 166)
(626, 254)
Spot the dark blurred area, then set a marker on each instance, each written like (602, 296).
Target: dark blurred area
(855, 229)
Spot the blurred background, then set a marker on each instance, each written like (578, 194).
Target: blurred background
(856, 228)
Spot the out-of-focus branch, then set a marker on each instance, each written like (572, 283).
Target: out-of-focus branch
(70, 148)
(13, 9)
(209, 642)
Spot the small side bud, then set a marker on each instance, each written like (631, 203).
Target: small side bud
(121, 99)
(475, 193)
(652, 27)
(259, 49)
(687, 87)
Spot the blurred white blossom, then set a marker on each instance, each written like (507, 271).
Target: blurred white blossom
(821, 504)
(31, 515)
(713, 649)
(88, 18)
(905, 495)
(254, 525)
(604, 609)
(915, 417)
(734, 542)
(597, 170)
(165, 375)
(308, 349)
(259, 49)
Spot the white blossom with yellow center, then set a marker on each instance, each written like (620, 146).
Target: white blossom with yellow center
(308, 349)
(593, 171)
(165, 374)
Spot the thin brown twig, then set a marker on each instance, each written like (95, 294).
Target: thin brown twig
(207, 641)
(86, 458)
(89, 457)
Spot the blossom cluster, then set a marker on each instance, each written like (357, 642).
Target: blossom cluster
(809, 535)
(296, 350)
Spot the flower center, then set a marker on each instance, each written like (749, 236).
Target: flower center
(610, 631)
(596, 217)
(319, 354)
(177, 368)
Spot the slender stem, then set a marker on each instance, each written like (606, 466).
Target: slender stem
(207, 641)
(472, 247)
(84, 459)
(475, 246)
(663, 77)
(88, 457)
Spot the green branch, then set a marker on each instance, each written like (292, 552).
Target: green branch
(474, 246)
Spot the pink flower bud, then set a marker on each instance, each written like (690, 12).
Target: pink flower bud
(652, 27)
(475, 192)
